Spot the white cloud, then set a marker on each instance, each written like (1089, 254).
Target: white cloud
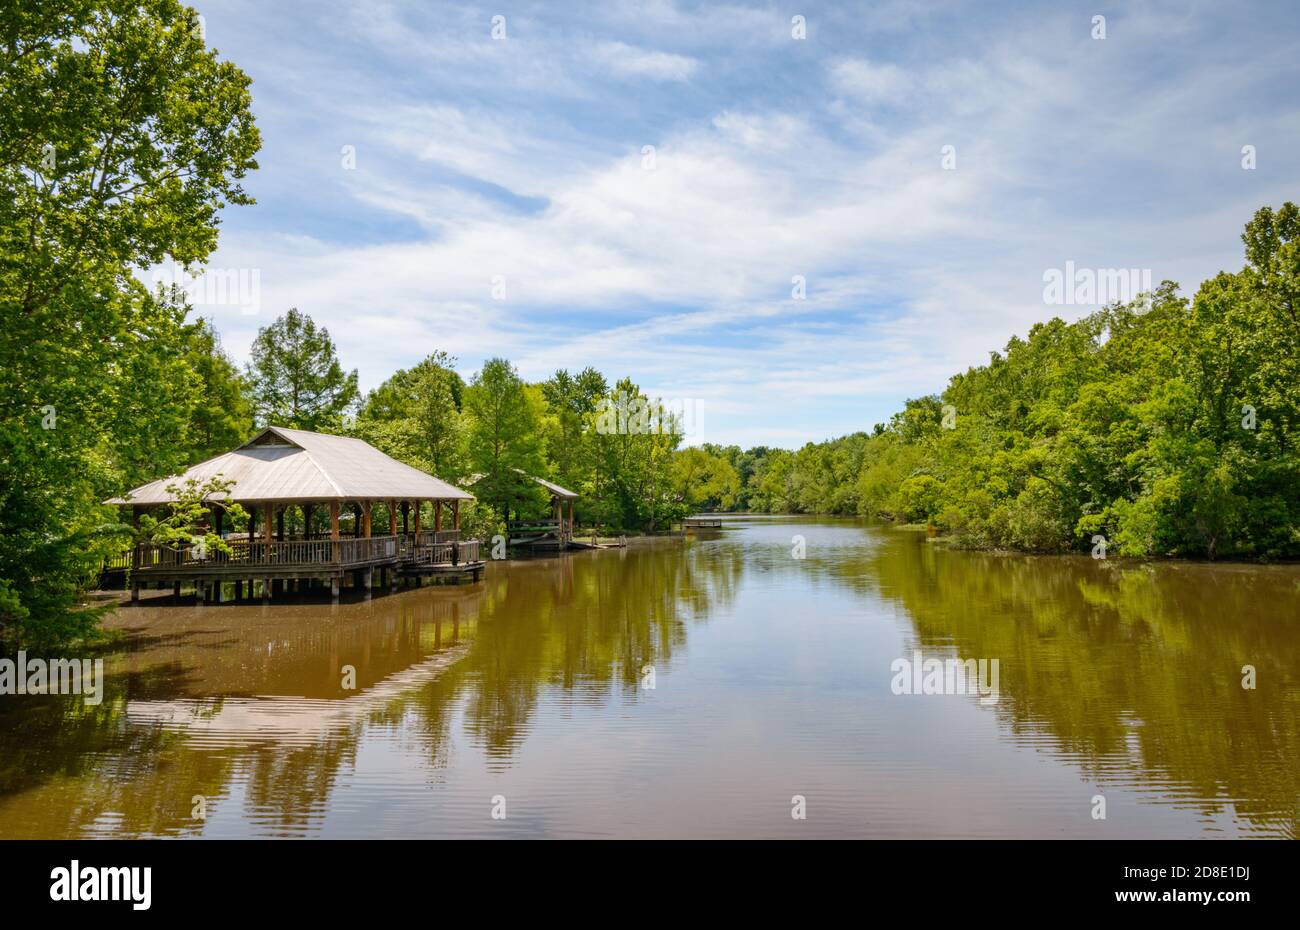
(873, 83)
(630, 61)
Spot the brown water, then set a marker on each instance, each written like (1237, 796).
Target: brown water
(771, 679)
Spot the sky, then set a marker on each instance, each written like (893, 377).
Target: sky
(783, 219)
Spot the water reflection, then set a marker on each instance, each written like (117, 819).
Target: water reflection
(1115, 678)
(209, 702)
(1133, 672)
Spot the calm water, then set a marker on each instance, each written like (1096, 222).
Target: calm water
(771, 679)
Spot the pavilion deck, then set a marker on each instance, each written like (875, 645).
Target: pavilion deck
(279, 561)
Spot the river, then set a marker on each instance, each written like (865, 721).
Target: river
(742, 683)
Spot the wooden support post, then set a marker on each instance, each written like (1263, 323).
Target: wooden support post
(268, 515)
(368, 579)
(266, 590)
(455, 514)
(199, 592)
(334, 582)
(406, 513)
(135, 541)
(239, 590)
(306, 520)
(419, 506)
(135, 556)
(392, 518)
(279, 524)
(437, 516)
(365, 518)
(176, 590)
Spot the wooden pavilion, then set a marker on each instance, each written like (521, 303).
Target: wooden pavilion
(553, 533)
(295, 474)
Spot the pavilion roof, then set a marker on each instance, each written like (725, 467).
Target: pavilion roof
(294, 465)
(551, 486)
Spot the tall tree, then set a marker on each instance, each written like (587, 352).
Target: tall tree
(222, 416)
(121, 137)
(415, 416)
(573, 401)
(504, 446)
(633, 439)
(295, 378)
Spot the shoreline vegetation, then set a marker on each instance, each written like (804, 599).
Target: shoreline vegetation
(1161, 427)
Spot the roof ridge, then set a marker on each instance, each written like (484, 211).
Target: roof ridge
(321, 468)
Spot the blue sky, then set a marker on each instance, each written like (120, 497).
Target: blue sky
(518, 162)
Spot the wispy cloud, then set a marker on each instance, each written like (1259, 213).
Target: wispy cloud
(629, 61)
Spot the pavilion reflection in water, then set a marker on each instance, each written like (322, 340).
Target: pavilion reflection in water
(244, 706)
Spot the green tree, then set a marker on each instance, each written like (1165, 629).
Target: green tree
(633, 438)
(704, 481)
(503, 443)
(295, 378)
(415, 416)
(573, 401)
(121, 137)
(222, 417)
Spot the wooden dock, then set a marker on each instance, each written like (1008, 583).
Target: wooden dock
(302, 564)
(700, 523)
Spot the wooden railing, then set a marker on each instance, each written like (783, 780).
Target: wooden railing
(277, 552)
(424, 549)
(445, 553)
(538, 525)
(429, 537)
(119, 561)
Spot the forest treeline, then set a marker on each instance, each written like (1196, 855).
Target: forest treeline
(1161, 427)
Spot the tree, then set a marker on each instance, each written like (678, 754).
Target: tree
(415, 416)
(503, 443)
(121, 136)
(633, 439)
(704, 481)
(573, 401)
(295, 377)
(187, 523)
(222, 416)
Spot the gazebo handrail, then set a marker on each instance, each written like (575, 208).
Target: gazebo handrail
(276, 552)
